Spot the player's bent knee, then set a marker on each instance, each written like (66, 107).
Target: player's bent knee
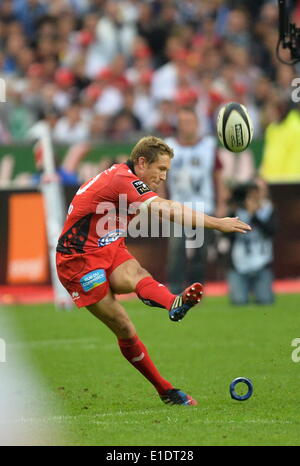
(135, 273)
(125, 278)
(140, 274)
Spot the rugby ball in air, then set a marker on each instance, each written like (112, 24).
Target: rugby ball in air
(234, 127)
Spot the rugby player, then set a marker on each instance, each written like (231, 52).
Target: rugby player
(94, 264)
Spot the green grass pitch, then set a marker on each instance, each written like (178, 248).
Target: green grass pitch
(90, 395)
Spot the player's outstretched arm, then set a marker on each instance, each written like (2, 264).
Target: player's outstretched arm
(226, 224)
(179, 213)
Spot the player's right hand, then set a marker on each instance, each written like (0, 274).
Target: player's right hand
(233, 225)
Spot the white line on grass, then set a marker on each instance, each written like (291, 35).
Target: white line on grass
(94, 418)
(35, 344)
(95, 341)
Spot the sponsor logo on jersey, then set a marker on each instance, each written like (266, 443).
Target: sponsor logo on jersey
(93, 279)
(110, 238)
(141, 187)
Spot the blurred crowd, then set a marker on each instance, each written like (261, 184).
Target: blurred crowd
(114, 70)
(108, 69)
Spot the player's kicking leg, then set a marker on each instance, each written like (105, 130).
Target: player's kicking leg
(130, 276)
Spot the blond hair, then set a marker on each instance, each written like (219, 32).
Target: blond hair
(150, 147)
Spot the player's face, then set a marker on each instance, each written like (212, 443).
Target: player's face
(156, 172)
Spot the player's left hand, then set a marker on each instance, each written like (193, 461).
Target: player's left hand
(233, 225)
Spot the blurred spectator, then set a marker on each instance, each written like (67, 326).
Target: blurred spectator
(237, 30)
(115, 33)
(88, 98)
(141, 62)
(163, 119)
(7, 13)
(98, 128)
(237, 168)
(143, 105)
(251, 257)
(252, 7)
(124, 125)
(165, 79)
(281, 156)
(65, 91)
(67, 170)
(70, 166)
(156, 30)
(129, 107)
(88, 170)
(32, 96)
(4, 134)
(110, 100)
(19, 117)
(71, 128)
(29, 12)
(94, 59)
